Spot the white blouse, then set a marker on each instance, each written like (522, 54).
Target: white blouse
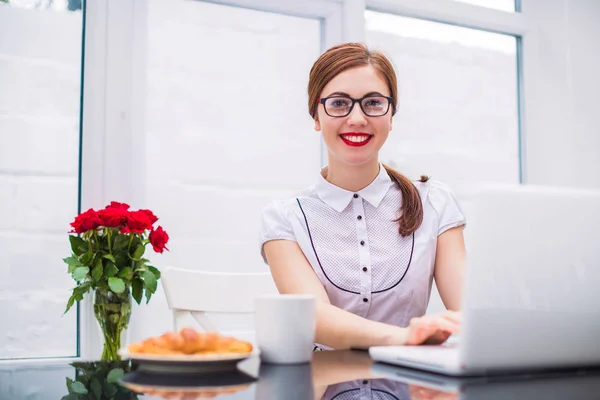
(352, 243)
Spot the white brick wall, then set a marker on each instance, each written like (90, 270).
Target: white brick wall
(39, 147)
(227, 130)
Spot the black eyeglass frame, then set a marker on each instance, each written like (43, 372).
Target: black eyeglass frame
(354, 101)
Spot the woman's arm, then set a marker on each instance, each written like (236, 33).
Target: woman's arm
(449, 270)
(337, 328)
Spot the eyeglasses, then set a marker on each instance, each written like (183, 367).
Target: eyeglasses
(371, 105)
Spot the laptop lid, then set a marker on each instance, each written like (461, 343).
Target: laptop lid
(533, 269)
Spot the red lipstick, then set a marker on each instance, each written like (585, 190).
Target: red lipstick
(356, 139)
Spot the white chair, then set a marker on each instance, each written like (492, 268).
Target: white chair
(200, 292)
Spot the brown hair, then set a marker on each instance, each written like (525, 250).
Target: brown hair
(351, 55)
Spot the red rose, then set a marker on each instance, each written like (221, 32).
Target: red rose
(159, 238)
(153, 218)
(85, 221)
(138, 222)
(119, 206)
(112, 217)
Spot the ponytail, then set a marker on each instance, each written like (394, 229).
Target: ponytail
(411, 215)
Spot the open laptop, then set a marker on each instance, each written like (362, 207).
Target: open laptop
(530, 297)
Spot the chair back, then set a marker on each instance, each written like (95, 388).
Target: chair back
(200, 292)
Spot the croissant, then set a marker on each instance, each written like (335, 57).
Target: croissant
(189, 341)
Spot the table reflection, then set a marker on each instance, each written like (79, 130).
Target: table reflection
(340, 375)
(99, 380)
(349, 375)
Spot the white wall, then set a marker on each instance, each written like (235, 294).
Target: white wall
(229, 117)
(38, 143)
(562, 136)
(39, 148)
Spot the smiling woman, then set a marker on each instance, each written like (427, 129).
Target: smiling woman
(365, 240)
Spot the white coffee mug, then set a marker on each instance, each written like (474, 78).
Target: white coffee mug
(285, 327)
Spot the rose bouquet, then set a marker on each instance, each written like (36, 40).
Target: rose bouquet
(108, 248)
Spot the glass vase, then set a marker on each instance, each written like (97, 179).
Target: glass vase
(112, 311)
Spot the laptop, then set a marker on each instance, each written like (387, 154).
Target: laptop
(531, 298)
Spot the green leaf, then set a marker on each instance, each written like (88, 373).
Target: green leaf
(78, 296)
(72, 261)
(98, 270)
(84, 379)
(150, 281)
(136, 290)
(121, 242)
(122, 258)
(110, 270)
(114, 375)
(79, 388)
(71, 396)
(126, 273)
(109, 389)
(70, 303)
(85, 366)
(78, 245)
(148, 296)
(116, 285)
(139, 252)
(69, 383)
(155, 271)
(110, 257)
(80, 272)
(87, 258)
(140, 266)
(80, 290)
(96, 388)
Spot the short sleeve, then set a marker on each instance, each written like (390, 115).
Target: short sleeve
(274, 225)
(446, 206)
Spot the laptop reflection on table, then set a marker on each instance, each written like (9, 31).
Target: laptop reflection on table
(548, 386)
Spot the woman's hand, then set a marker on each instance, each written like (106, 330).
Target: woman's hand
(433, 329)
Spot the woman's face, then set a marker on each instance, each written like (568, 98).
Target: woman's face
(356, 138)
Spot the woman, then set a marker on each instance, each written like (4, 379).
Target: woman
(365, 240)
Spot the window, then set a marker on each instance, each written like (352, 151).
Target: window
(228, 127)
(40, 74)
(458, 116)
(458, 100)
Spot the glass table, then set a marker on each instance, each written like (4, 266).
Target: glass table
(340, 375)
